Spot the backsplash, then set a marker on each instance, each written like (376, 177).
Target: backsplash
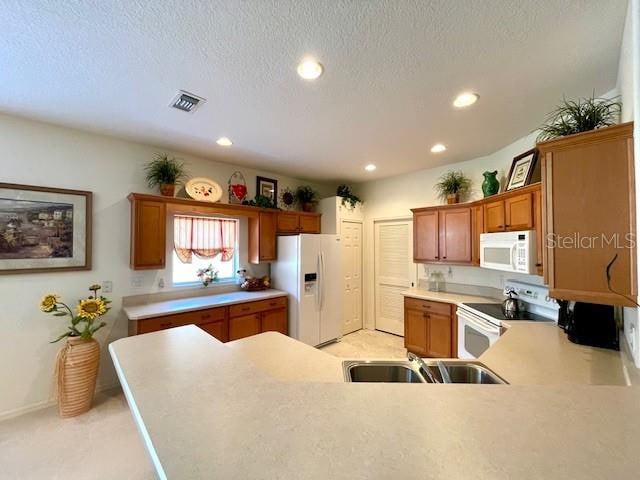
(473, 277)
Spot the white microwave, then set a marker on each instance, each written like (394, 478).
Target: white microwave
(509, 251)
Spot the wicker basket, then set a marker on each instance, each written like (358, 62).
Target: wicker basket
(76, 374)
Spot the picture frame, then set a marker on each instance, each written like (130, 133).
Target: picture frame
(44, 229)
(521, 170)
(267, 187)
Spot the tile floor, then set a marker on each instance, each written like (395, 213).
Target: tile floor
(104, 444)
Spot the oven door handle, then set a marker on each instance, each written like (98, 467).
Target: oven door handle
(482, 326)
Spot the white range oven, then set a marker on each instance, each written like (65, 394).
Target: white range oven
(481, 324)
(509, 251)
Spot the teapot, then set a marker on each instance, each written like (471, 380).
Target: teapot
(510, 307)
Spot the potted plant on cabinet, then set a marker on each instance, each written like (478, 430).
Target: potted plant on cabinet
(453, 186)
(78, 361)
(348, 197)
(166, 172)
(580, 116)
(306, 197)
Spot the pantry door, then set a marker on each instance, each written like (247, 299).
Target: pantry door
(394, 272)
(351, 237)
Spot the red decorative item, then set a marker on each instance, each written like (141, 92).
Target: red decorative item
(237, 188)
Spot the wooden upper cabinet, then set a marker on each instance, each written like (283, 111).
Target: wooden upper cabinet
(148, 234)
(477, 228)
(442, 235)
(309, 223)
(425, 236)
(454, 227)
(589, 215)
(262, 237)
(298, 222)
(494, 216)
(518, 212)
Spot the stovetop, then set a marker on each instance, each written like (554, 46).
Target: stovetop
(494, 310)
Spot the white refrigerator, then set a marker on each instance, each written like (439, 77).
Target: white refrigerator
(309, 269)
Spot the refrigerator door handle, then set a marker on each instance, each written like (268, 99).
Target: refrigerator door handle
(318, 280)
(322, 283)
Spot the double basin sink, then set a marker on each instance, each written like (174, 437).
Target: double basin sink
(406, 371)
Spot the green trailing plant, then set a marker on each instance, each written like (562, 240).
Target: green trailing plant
(453, 182)
(347, 195)
(164, 170)
(261, 201)
(582, 115)
(306, 194)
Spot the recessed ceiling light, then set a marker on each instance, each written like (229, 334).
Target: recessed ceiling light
(438, 148)
(465, 99)
(224, 142)
(309, 69)
(370, 168)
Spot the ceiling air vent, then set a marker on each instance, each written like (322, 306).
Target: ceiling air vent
(187, 102)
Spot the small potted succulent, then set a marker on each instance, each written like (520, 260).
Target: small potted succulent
(307, 197)
(166, 172)
(453, 186)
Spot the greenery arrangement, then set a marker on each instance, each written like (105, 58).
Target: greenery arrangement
(580, 116)
(207, 275)
(453, 183)
(164, 170)
(347, 195)
(261, 201)
(306, 194)
(88, 310)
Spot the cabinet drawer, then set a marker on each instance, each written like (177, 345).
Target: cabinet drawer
(179, 319)
(249, 308)
(428, 306)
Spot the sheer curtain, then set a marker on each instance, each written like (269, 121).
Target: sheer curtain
(206, 237)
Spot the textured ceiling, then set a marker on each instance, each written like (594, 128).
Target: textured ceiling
(392, 70)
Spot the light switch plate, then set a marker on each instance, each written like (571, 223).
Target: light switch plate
(107, 286)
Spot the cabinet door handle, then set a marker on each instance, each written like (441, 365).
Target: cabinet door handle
(208, 315)
(437, 258)
(444, 258)
(246, 309)
(272, 304)
(426, 306)
(165, 324)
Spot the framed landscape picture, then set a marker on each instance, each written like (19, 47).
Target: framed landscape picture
(522, 169)
(268, 188)
(44, 229)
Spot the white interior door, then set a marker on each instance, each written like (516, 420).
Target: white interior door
(394, 272)
(351, 233)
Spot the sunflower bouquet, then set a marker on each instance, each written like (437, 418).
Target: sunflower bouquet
(83, 322)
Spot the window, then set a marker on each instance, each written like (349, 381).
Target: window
(202, 241)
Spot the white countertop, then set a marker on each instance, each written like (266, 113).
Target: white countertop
(181, 305)
(447, 297)
(207, 409)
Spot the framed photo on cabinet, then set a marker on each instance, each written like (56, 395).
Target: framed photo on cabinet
(267, 187)
(44, 229)
(522, 169)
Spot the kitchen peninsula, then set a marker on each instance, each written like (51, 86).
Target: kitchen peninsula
(294, 417)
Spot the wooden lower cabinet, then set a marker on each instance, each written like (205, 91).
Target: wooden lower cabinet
(245, 326)
(225, 323)
(430, 328)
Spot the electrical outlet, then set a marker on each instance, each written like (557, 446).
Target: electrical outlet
(136, 282)
(161, 283)
(107, 286)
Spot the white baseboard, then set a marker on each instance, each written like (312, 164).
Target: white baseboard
(16, 412)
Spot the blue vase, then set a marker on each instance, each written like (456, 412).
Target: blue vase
(490, 185)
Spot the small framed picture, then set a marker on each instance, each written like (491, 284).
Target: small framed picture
(522, 169)
(44, 229)
(267, 187)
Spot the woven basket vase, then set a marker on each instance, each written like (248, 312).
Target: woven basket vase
(76, 374)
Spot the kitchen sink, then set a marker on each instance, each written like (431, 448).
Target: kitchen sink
(382, 371)
(403, 371)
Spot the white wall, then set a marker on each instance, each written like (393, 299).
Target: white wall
(41, 154)
(629, 87)
(394, 197)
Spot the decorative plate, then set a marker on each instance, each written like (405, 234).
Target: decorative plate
(204, 189)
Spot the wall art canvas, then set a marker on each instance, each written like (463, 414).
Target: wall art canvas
(267, 187)
(44, 229)
(522, 169)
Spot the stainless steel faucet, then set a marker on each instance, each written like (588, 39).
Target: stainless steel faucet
(427, 371)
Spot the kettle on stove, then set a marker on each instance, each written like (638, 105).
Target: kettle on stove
(510, 307)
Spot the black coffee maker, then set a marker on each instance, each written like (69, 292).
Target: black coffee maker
(589, 324)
